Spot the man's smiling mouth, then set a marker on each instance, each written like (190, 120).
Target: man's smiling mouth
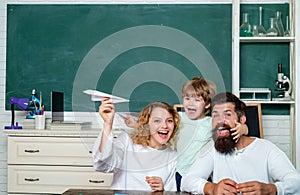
(224, 131)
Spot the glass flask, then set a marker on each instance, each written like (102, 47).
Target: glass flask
(255, 31)
(278, 24)
(260, 28)
(245, 28)
(272, 32)
(287, 29)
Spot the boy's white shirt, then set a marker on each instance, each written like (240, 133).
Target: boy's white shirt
(193, 135)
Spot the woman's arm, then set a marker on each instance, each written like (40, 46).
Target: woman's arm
(107, 112)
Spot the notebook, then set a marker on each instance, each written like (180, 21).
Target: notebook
(57, 106)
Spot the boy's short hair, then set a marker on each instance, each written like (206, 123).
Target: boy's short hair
(199, 87)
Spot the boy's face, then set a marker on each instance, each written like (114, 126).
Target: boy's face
(194, 107)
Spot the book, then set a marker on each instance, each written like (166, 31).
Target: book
(66, 125)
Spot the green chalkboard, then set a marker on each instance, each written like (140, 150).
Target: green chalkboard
(140, 52)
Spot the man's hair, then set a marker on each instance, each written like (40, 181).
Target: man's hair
(199, 87)
(227, 97)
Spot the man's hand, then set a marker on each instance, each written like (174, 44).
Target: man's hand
(255, 187)
(155, 183)
(224, 187)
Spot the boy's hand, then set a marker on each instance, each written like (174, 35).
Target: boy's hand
(155, 183)
(239, 130)
(130, 122)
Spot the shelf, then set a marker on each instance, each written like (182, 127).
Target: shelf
(267, 39)
(271, 102)
(264, 2)
(289, 56)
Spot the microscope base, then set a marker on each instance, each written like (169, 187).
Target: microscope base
(282, 99)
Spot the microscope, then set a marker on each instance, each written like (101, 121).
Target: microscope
(283, 86)
(34, 106)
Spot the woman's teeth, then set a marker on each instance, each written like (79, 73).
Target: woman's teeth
(163, 132)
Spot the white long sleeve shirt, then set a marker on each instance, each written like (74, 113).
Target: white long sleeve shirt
(260, 161)
(131, 163)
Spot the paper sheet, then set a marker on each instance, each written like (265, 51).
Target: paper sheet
(98, 95)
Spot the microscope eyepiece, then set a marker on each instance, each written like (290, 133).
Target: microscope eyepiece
(279, 68)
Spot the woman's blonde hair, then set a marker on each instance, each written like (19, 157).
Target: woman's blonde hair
(141, 134)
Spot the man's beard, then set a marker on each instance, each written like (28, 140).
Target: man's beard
(223, 144)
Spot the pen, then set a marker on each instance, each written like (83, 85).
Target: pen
(41, 100)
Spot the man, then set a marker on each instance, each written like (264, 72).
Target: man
(250, 166)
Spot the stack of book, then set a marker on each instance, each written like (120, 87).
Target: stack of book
(70, 125)
(48, 123)
(29, 123)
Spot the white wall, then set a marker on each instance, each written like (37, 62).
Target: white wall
(276, 128)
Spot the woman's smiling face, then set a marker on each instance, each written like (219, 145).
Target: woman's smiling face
(161, 125)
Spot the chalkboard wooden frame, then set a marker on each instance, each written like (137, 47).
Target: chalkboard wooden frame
(253, 114)
(178, 107)
(254, 119)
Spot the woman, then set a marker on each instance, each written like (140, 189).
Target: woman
(145, 159)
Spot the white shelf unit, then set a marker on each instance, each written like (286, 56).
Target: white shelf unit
(267, 39)
(256, 94)
(293, 58)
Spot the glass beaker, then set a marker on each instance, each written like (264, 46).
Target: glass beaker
(272, 32)
(260, 28)
(287, 29)
(278, 24)
(245, 28)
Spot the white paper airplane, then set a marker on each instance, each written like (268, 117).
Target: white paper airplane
(98, 95)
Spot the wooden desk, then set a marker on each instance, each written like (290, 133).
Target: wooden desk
(117, 192)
